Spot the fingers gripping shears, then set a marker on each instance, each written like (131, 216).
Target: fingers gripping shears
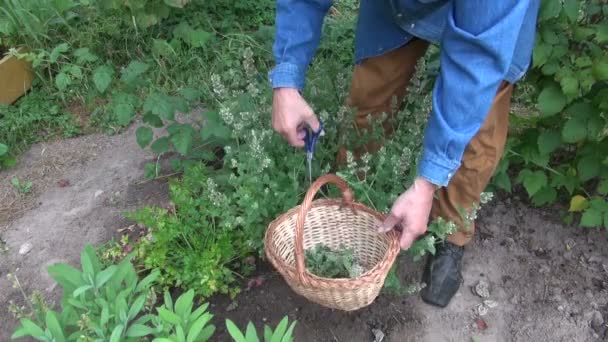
(310, 142)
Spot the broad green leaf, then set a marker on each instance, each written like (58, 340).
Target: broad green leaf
(582, 33)
(197, 327)
(541, 54)
(139, 330)
(66, 275)
(551, 100)
(84, 55)
(159, 104)
(147, 281)
(102, 77)
(181, 334)
(546, 195)
(116, 333)
(105, 275)
(153, 120)
(88, 267)
(602, 188)
(578, 203)
(20, 333)
(588, 167)
(288, 337)
(549, 9)
(570, 86)
(193, 37)
(75, 71)
(183, 304)
(251, 334)
(145, 19)
(150, 171)
(168, 301)
(144, 136)
(168, 316)
(182, 139)
(124, 107)
(105, 315)
(235, 332)
(137, 306)
(3, 149)
(52, 323)
(550, 68)
(533, 181)
(206, 334)
(571, 9)
(62, 81)
(591, 218)
(58, 51)
(190, 94)
(133, 71)
(160, 145)
(503, 181)
(600, 69)
(549, 141)
(574, 130)
(198, 312)
(267, 333)
(601, 34)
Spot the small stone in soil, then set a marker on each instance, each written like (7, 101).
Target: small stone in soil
(232, 306)
(482, 310)
(597, 322)
(482, 289)
(25, 248)
(481, 324)
(378, 335)
(490, 303)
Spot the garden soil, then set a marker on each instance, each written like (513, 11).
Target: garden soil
(540, 280)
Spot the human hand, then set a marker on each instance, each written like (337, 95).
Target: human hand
(411, 211)
(291, 114)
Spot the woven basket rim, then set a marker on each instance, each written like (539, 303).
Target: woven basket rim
(380, 269)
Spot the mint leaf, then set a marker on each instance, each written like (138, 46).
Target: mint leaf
(102, 77)
(153, 120)
(546, 195)
(84, 55)
(123, 105)
(182, 139)
(160, 104)
(591, 218)
(133, 71)
(532, 181)
(574, 130)
(571, 10)
(549, 9)
(588, 167)
(62, 81)
(58, 51)
(3, 149)
(549, 141)
(602, 188)
(551, 100)
(144, 136)
(160, 145)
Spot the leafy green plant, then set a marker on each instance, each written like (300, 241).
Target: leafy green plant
(21, 186)
(559, 151)
(282, 333)
(332, 263)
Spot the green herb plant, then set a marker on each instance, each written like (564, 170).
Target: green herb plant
(282, 333)
(21, 186)
(326, 262)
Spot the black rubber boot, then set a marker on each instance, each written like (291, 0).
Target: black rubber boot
(442, 275)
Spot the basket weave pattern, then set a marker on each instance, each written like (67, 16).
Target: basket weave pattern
(334, 223)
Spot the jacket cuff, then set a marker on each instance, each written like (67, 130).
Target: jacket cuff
(436, 170)
(287, 75)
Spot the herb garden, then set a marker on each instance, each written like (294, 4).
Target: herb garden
(187, 82)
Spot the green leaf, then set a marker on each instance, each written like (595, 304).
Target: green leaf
(280, 330)
(168, 301)
(160, 145)
(183, 304)
(588, 167)
(3, 149)
(58, 51)
(124, 107)
(288, 337)
(551, 100)
(541, 54)
(168, 316)
(574, 130)
(139, 330)
(601, 34)
(153, 120)
(62, 81)
(206, 334)
(571, 10)
(578, 203)
(549, 9)
(150, 171)
(144, 136)
(88, 268)
(52, 323)
(181, 335)
(75, 70)
(251, 334)
(84, 55)
(133, 71)
(193, 37)
(602, 188)
(81, 290)
(546, 195)
(197, 327)
(591, 218)
(533, 181)
(190, 94)
(267, 333)
(136, 307)
(182, 139)
(160, 104)
(20, 333)
(31, 328)
(105, 275)
(549, 141)
(570, 86)
(234, 331)
(102, 77)
(116, 334)
(105, 314)
(600, 69)
(145, 283)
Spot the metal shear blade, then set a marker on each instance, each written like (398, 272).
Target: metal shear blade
(310, 141)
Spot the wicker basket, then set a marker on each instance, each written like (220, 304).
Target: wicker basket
(332, 222)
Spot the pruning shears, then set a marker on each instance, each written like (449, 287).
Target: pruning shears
(310, 141)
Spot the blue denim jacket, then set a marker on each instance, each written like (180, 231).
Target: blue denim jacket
(483, 42)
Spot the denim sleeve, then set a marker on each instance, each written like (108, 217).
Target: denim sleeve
(298, 32)
(477, 47)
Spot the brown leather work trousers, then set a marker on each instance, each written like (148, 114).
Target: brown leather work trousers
(377, 81)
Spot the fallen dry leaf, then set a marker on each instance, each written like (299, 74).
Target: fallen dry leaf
(481, 324)
(63, 183)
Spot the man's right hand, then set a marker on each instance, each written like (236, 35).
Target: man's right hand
(291, 114)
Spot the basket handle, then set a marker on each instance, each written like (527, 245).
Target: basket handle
(347, 197)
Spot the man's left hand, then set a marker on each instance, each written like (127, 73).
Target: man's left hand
(411, 211)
